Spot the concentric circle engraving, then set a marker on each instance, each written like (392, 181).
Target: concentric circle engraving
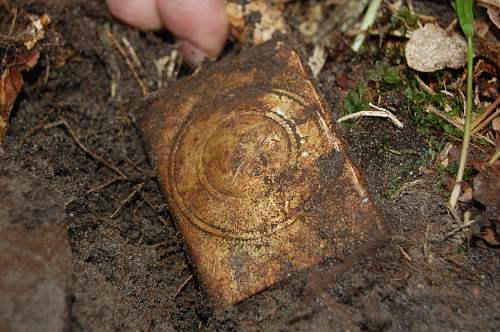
(261, 146)
(228, 166)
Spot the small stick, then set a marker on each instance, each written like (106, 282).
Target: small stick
(132, 52)
(181, 287)
(47, 71)
(134, 192)
(452, 25)
(382, 113)
(406, 186)
(495, 157)
(96, 189)
(104, 185)
(405, 254)
(368, 20)
(486, 113)
(424, 86)
(411, 7)
(13, 23)
(122, 52)
(458, 229)
(456, 123)
(427, 247)
(84, 148)
(122, 267)
(486, 122)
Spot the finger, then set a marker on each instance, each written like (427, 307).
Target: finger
(200, 26)
(142, 14)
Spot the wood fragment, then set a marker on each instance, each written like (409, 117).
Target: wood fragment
(13, 22)
(424, 86)
(132, 52)
(381, 112)
(427, 245)
(135, 190)
(405, 254)
(407, 185)
(458, 229)
(184, 284)
(491, 108)
(456, 123)
(486, 122)
(121, 51)
(104, 185)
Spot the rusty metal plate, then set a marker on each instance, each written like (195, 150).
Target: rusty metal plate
(259, 185)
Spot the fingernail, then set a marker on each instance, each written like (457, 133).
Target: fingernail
(192, 53)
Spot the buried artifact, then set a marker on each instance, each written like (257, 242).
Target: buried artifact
(259, 185)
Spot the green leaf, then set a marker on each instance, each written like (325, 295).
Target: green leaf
(465, 15)
(382, 73)
(356, 100)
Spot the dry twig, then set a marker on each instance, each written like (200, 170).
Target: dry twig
(137, 188)
(181, 287)
(458, 229)
(87, 150)
(486, 113)
(130, 65)
(380, 112)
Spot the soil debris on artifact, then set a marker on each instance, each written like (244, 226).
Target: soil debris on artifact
(437, 270)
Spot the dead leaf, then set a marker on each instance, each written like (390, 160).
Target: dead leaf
(18, 55)
(11, 82)
(344, 82)
(466, 194)
(318, 59)
(432, 48)
(496, 124)
(485, 48)
(248, 30)
(36, 31)
(493, 10)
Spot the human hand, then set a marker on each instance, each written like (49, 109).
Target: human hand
(200, 26)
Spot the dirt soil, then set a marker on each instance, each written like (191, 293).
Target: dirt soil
(128, 262)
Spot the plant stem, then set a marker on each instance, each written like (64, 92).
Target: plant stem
(495, 157)
(368, 20)
(468, 122)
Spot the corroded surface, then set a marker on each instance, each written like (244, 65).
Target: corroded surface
(259, 184)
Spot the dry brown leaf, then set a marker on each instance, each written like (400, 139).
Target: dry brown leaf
(36, 31)
(493, 10)
(318, 59)
(13, 63)
(496, 124)
(432, 48)
(11, 82)
(248, 32)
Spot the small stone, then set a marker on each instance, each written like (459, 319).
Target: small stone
(432, 48)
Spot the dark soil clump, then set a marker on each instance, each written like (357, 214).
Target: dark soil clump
(128, 261)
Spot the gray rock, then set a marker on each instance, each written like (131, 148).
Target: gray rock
(432, 48)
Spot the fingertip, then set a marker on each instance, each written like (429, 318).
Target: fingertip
(142, 14)
(201, 22)
(192, 54)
